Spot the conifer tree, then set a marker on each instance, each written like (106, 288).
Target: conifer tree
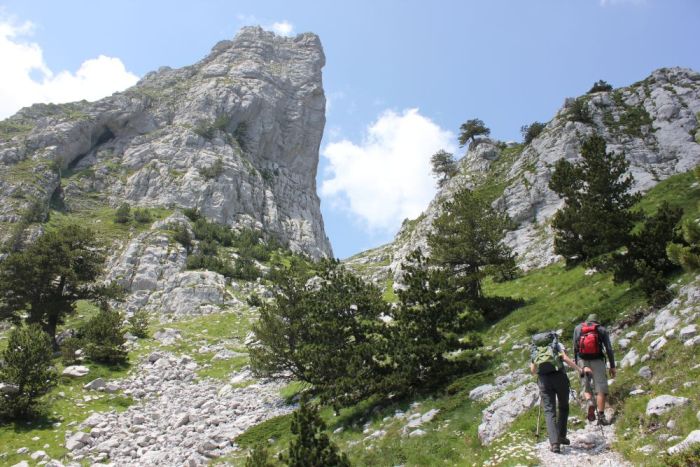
(45, 280)
(596, 218)
(645, 259)
(310, 446)
(444, 166)
(433, 319)
(326, 332)
(468, 240)
(470, 129)
(25, 364)
(686, 253)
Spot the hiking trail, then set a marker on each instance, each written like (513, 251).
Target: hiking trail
(588, 447)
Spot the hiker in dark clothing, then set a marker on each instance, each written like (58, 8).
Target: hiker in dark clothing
(546, 363)
(590, 338)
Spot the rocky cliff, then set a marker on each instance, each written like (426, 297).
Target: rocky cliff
(235, 135)
(653, 122)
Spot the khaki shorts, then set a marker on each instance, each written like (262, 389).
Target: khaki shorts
(600, 376)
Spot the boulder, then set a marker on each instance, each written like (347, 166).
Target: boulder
(623, 343)
(657, 344)
(501, 413)
(76, 371)
(688, 332)
(691, 440)
(167, 336)
(95, 384)
(662, 404)
(630, 359)
(7, 388)
(645, 372)
(692, 341)
(483, 392)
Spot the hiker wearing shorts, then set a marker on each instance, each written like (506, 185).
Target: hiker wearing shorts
(554, 386)
(591, 345)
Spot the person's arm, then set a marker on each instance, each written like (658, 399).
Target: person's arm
(608, 349)
(577, 334)
(571, 363)
(533, 368)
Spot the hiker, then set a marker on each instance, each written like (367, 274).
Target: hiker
(546, 362)
(589, 339)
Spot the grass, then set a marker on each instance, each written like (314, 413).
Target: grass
(101, 220)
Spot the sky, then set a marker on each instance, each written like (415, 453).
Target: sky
(400, 76)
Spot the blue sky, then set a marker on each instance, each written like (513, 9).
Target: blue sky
(401, 76)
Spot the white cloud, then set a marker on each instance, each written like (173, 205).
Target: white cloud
(26, 79)
(281, 28)
(387, 177)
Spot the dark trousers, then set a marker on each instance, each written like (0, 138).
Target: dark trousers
(554, 389)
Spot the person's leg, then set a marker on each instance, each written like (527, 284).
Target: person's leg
(562, 391)
(586, 383)
(600, 381)
(549, 407)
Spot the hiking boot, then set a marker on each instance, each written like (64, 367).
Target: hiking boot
(591, 411)
(556, 448)
(564, 441)
(602, 419)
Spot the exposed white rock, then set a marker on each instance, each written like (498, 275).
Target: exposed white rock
(691, 440)
(177, 139)
(96, 384)
(499, 415)
(688, 332)
(645, 372)
(7, 388)
(76, 371)
(662, 404)
(630, 359)
(167, 336)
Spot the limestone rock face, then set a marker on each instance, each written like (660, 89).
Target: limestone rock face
(651, 122)
(235, 135)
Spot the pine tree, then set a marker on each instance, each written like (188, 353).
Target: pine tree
(645, 259)
(310, 446)
(444, 166)
(103, 335)
(45, 280)
(325, 331)
(686, 253)
(432, 320)
(470, 129)
(26, 364)
(468, 240)
(596, 218)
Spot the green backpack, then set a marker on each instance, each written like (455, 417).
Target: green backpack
(545, 353)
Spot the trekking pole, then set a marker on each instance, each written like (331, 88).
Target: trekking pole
(539, 413)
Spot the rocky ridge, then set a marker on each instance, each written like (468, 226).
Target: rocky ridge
(653, 122)
(235, 135)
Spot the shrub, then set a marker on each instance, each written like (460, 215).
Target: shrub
(104, 337)
(26, 365)
(182, 235)
(241, 135)
(687, 458)
(310, 445)
(531, 131)
(142, 216)
(600, 86)
(245, 269)
(254, 300)
(213, 171)
(578, 111)
(123, 214)
(192, 214)
(138, 324)
(259, 457)
(204, 129)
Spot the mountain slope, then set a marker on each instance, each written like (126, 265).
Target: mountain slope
(653, 122)
(235, 136)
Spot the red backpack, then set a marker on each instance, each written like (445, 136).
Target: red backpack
(589, 342)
